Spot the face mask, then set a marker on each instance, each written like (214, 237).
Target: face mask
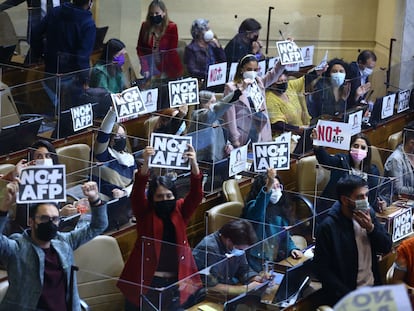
(237, 252)
(163, 209)
(337, 78)
(156, 20)
(44, 162)
(119, 60)
(46, 231)
(358, 154)
(362, 205)
(119, 144)
(367, 71)
(281, 87)
(208, 35)
(250, 75)
(276, 195)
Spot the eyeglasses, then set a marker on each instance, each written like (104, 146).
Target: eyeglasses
(46, 218)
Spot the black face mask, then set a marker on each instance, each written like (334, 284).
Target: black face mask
(254, 38)
(119, 144)
(281, 87)
(46, 231)
(163, 209)
(156, 20)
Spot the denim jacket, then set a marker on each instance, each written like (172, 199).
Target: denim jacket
(24, 262)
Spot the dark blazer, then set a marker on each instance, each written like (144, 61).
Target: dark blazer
(355, 77)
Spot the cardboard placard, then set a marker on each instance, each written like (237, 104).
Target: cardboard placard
(403, 101)
(255, 95)
(128, 104)
(271, 155)
(333, 134)
(82, 117)
(402, 225)
(183, 92)
(289, 52)
(150, 98)
(169, 151)
(238, 160)
(232, 72)
(387, 108)
(355, 121)
(40, 184)
(217, 74)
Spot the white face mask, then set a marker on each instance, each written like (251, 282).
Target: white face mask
(337, 78)
(362, 205)
(367, 71)
(208, 35)
(44, 162)
(237, 252)
(250, 75)
(276, 195)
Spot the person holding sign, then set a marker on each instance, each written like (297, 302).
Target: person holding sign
(348, 241)
(116, 172)
(203, 51)
(268, 206)
(157, 44)
(107, 73)
(244, 120)
(245, 42)
(356, 162)
(286, 105)
(39, 261)
(329, 95)
(161, 216)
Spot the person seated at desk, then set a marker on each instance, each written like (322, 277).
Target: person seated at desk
(268, 206)
(116, 174)
(163, 218)
(329, 95)
(107, 73)
(287, 111)
(203, 51)
(39, 261)
(206, 119)
(232, 275)
(400, 164)
(348, 241)
(356, 162)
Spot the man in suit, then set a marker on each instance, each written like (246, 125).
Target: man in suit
(36, 9)
(359, 73)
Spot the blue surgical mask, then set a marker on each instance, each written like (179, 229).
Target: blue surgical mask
(237, 252)
(337, 78)
(367, 71)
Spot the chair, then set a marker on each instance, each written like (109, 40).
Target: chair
(376, 159)
(220, 214)
(8, 35)
(311, 174)
(232, 191)
(76, 158)
(6, 168)
(100, 264)
(394, 140)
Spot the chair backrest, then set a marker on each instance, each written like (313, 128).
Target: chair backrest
(232, 191)
(220, 214)
(76, 158)
(310, 173)
(9, 115)
(8, 34)
(6, 168)
(394, 140)
(100, 264)
(376, 159)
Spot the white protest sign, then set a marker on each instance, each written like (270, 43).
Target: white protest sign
(333, 134)
(284, 137)
(402, 225)
(216, 74)
(272, 62)
(387, 108)
(232, 72)
(150, 98)
(403, 100)
(271, 155)
(292, 67)
(261, 68)
(238, 160)
(289, 52)
(129, 103)
(323, 62)
(82, 117)
(307, 54)
(169, 151)
(355, 121)
(376, 298)
(42, 184)
(183, 92)
(255, 95)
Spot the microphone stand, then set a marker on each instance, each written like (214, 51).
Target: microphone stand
(269, 14)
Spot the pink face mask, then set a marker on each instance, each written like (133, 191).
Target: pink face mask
(358, 154)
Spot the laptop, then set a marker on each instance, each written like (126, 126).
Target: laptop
(251, 298)
(294, 281)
